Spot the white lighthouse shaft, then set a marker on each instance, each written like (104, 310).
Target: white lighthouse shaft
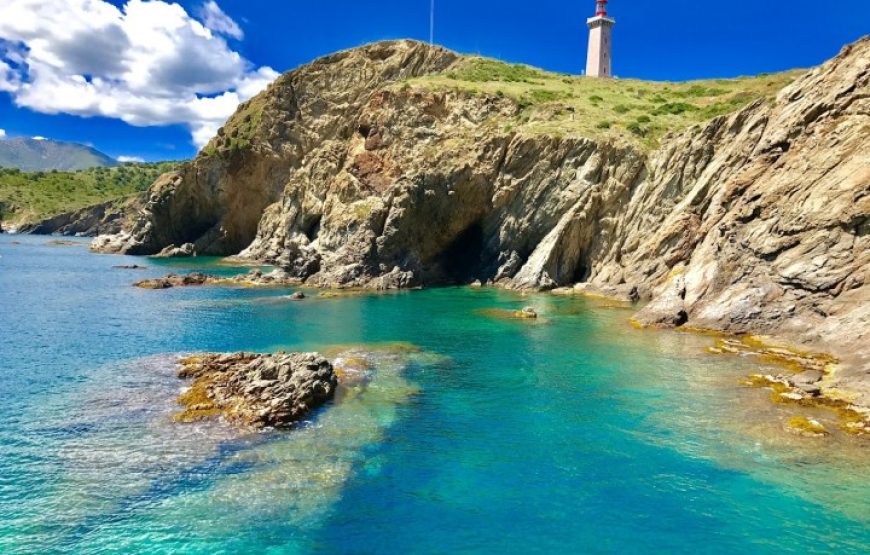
(599, 54)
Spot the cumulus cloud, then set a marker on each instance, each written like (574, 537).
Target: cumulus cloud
(2, 133)
(130, 159)
(216, 20)
(147, 63)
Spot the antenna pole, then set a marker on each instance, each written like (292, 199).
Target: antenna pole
(432, 23)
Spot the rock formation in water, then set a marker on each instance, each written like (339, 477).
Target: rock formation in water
(757, 221)
(256, 391)
(254, 278)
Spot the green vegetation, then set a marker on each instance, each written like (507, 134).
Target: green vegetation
(485, 71)
(627, 110)
(239, 130)
(674, 108)
(32, 196)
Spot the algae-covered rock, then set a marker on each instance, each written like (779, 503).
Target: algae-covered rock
(528, 313)
(806, 427)
(253, 390)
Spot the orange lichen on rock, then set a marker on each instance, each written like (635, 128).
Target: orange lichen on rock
(253, 390)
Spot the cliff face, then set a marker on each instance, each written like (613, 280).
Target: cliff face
(108, 217)
(341, 174)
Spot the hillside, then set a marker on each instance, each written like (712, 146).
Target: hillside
(628, 110)
(27, 197)
(46, 155)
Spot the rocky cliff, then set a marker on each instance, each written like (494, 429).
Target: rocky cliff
(105, 218)
(349, 172)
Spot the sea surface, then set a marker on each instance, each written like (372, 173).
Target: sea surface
(475, 433)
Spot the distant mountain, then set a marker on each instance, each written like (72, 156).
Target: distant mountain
(46, 155)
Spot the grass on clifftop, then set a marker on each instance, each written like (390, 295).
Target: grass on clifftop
(238, 132)
(32, 196)
(640, 112)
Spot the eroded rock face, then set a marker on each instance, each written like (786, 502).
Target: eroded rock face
(217, 201)
(256, 391)
(757, 221)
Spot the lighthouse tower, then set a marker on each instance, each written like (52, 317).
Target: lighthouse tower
(598, 59)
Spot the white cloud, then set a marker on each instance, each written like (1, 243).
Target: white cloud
(128, 159)
(147, 64)
(216, 20)
(39, 138)
(2, 133)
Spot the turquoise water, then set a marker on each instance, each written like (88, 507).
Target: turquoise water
(575, 433)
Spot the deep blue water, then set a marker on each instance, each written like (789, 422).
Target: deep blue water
(575, 433)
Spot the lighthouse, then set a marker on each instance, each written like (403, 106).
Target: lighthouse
(598, 58)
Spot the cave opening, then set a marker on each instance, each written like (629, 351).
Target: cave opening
(312, 230)
(581, 273)
(463, 260)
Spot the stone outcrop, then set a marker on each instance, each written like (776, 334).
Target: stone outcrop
(104, 218)
(176, 280)
(184, 251)
(256, 391)
(342, 176)
(254, 278)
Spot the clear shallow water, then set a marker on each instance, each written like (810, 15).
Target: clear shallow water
(576, 433)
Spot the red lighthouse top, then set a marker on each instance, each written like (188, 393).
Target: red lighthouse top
(601, 8)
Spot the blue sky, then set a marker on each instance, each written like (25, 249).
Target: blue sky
(253, 39)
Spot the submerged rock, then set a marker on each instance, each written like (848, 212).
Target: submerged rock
(63, 243)
(806, 427)
(526, 313)
(255, 390)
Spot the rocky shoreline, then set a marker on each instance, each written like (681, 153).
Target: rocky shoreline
(753, 222)
(804, 379)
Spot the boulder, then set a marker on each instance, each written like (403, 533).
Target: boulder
(186, 250)
(527, 313)
(256, 390)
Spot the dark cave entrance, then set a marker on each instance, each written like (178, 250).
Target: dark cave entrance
(312, 228)
(463, 260)
(581, 273)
